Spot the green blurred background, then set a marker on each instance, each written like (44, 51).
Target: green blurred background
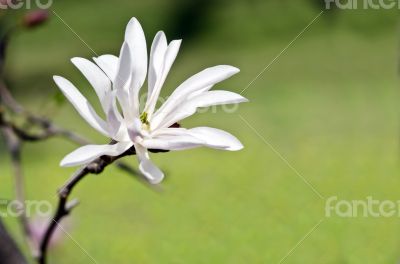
(328, 105)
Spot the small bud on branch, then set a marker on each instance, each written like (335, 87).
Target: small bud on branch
(35, 18)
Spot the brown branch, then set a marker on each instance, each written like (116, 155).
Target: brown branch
(64, 208)
(14, 148)
(8, 100)
(9, 251)
(14, 136)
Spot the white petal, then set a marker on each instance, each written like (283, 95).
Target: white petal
(200, 91)
(81, 105)
(157, 53)
(169, 58)
(216, 138)
(96, 77)
(149, 170)
(109, 64)
(124, 68)
(88, 153)
(209, 76)
(170, 131)
(200, 81)
(173, 142)
(217, 97)
(117, 124)
(122, 83)
(134, 35)
(135, 130)
(205, 99)
(114, 118)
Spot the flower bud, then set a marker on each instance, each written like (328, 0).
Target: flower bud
(7, 3)
(35, 18)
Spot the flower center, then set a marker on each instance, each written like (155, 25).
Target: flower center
(145, 121)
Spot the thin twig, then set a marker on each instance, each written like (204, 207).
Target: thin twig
(14, 148)
(15, 135)
(64, 208)
(8, 100)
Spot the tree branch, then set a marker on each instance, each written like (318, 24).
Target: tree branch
(15, 135)
(64, 208)
(14, 148)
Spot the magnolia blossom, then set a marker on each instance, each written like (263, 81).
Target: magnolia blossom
(117, 82)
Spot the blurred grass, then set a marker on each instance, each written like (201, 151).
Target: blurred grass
(329, 105)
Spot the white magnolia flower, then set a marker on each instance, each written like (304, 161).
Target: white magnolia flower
(117, 81)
